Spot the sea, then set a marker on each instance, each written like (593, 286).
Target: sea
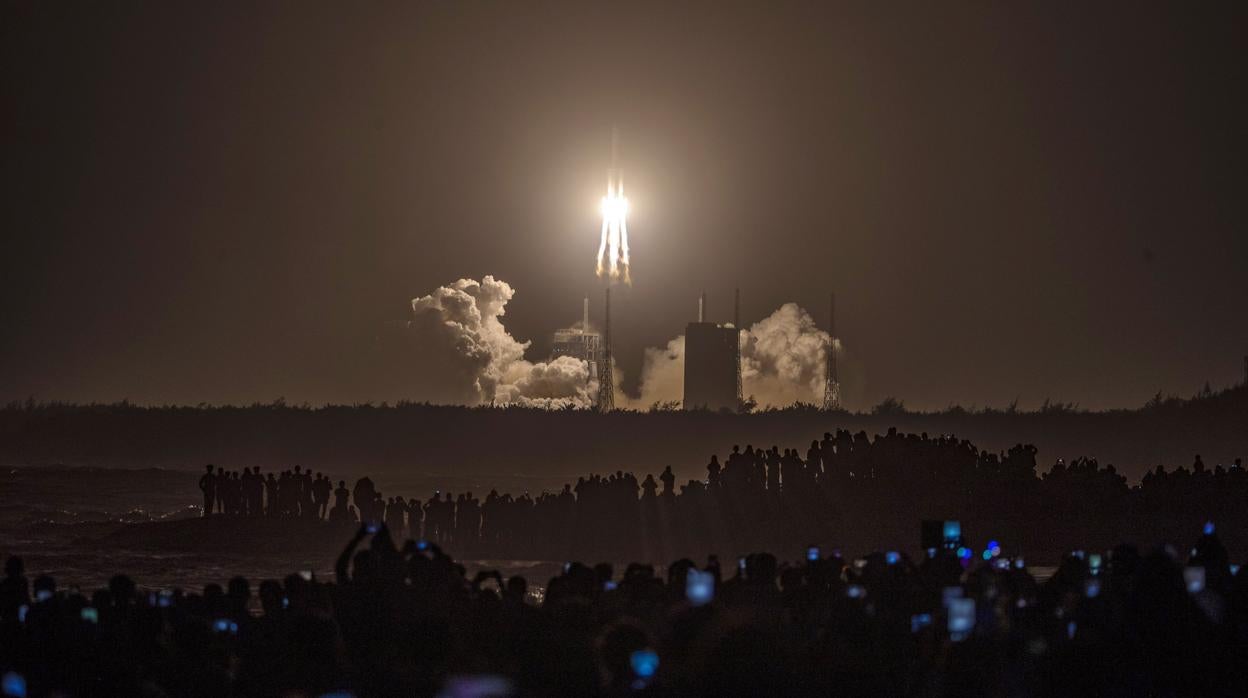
(82, 525)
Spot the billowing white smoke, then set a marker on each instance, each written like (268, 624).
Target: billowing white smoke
(465, 356)
(462, 354)
(782, 362)
(783, 358)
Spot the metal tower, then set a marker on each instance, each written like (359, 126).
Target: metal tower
(606, 389)
(832, 382)
(736, 327)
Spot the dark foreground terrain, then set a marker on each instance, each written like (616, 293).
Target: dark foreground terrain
(408, 620)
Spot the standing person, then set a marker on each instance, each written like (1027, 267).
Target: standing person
(433, 518)
(321, 489)
(669, 481)
(270, 492)
(363, 496)
(221, 483)
(307, 505)
(208, 484)
(414, 515)
(255, 504)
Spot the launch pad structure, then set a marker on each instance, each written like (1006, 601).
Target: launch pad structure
(579, 343)
(831, 379)
(606, 377)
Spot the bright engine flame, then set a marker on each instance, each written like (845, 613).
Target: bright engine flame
(613, 247)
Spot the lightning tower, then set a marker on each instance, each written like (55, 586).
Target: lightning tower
(606, 389)
(736, 327)
(831, 383)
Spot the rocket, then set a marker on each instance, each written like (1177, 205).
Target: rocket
(613, 257)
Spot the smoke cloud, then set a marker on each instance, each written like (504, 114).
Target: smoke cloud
(459, 352)
(783, 361)
(464, 355)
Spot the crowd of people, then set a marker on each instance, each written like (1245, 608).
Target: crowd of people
(773, 499)
(406, 619)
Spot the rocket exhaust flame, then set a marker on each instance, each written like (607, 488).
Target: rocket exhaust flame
(613, 262)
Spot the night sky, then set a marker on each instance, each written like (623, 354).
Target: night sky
(222, 202)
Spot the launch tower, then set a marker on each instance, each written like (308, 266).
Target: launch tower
(832, 382)
(606, 389)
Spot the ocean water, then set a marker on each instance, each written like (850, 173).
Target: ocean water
(83, 525)
(79, 526)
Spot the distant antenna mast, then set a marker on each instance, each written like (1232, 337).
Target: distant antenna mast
(832, 382)
(606, 391)
(736, 328)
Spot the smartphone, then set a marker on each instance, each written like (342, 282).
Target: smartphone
(21, 613)
(422, 545)
(1209, 528)
(951, 533)
(372, 527)
(920, 621)
(741, 565)
(961, 618)
(469, 686)
(610, 585)
(892, 557)
(855, 591)
(13, 684)
(1194, 578)
(1092, 588)
(43, 595)
(225, 625)
(164, 599)
(90, 614)
(644, 663)
(1094, 563)
(566, 567)
(306, 575)
(1234, 570)
(699, 587)
(812, 553)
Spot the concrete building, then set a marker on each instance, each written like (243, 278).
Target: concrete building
(711, 364)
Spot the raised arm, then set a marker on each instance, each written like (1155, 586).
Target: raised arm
(344, 559)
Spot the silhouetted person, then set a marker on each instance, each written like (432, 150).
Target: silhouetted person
(221, 485)
(14, 589)
(271, 495)
(321, 489)
(668, 480)
(712, 473)
(208, 485)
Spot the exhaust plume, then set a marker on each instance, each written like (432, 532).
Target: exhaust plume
(464, 354)
(613, 242)
(783, 359)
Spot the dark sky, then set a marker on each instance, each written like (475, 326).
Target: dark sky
(221, 202)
